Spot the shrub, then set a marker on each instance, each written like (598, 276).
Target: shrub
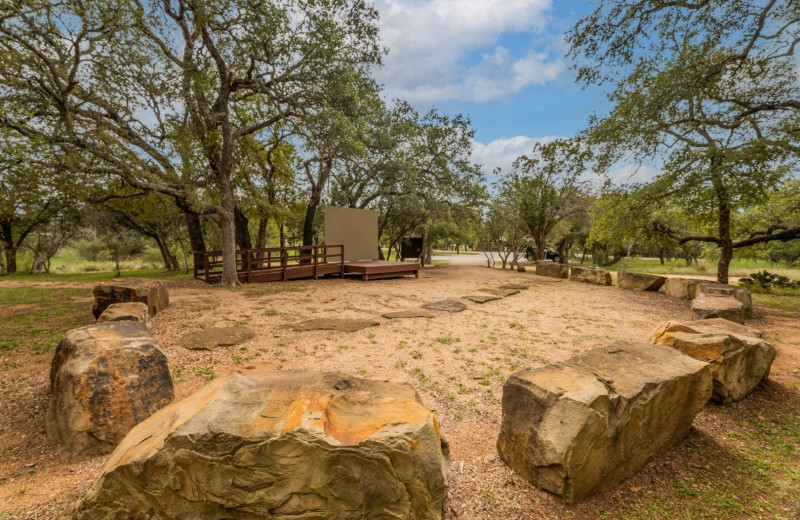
(766, 280)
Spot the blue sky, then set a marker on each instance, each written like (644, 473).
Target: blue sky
(501, 62)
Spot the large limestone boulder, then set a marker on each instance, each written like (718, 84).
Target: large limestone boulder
(709, 326)
(738, 362)
(727, 307)
(640, 281)
(683, 288)
(552, 269)
(715, 289)
(590, 275)
(105, 378)
(151, 292)
(580, 427)
(131, 311)
(286, 445)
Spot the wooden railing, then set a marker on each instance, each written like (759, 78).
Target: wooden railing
(273, 263)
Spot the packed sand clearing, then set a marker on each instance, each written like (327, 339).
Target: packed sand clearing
(458, 363)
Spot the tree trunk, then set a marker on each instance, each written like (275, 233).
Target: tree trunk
(195, 231)
(583, 256)
(308, 223)
(539, 238)
(11, 260)
(283, 234)
(227, 224)
(261, 239)
(725, 242)
(242, 229)
(661, 255)
(170, 261)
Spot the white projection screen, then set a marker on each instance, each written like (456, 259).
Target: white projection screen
(356, 229)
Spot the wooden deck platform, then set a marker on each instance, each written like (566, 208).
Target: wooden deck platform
(290, 263)
(375, 269)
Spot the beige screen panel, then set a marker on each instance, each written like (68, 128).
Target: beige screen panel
(356, 229)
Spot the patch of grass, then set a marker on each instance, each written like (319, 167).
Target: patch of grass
(99, 276)
(739, 267)
(35, 318)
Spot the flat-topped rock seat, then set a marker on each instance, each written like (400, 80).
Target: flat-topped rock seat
(726, 307)
(284, 445)
(130, 311)
(711, 325)
(153, 293)
(640, 281)
(105, 378)
(738, 361)
(716, 289)
(589, 274)
(552, 269)
(683, 288)
(580, 427)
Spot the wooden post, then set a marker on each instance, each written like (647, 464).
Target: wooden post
(284, 262)
(316, 263)
(341, 259)
(205, 264)
(249, 278)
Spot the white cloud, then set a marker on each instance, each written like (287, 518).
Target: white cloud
(632, 173)
(501, 153)
(431, 42)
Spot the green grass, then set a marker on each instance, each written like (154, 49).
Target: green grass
(100, 276)
(738, 268)
(35, 318)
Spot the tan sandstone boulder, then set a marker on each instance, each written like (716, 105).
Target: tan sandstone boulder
(640, 281)
(738, 362)
(683, 288)
(151, 292)
(590, 275)
(709, 326)
(722, 289)
(285, 445)
(131, 311)
(552, 269)
(727, 307)
(580, 427)
(105, 378)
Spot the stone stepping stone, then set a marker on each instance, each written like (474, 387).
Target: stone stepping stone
(502, 293)
(514, 286)
(411, 313)
(482, 298)
(338, 324)
(211, 338)
(446, 306)
(151, 292)
(279, 445)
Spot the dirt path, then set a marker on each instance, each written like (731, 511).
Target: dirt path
(457, 362)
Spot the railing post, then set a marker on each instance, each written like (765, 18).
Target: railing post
(341, 260)
(316, 263)
(249, 253)
(284, 261)
(205, 265)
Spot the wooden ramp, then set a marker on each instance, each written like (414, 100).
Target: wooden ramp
(375, 269)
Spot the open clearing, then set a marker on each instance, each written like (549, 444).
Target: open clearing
(740, 460)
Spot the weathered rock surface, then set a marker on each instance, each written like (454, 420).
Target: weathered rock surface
(552, 269)
(213, 337)
(502, 293)
(726, 307)
(683, 288)
(105, 378)
(712, 325)
(342, 325)
(640, 281)
(482, 298)
(132, 311)
(514, 286)
(410, 313)
(722, 289)
(151, 292)
(738, 362)
(590, 275)
(580, 427)
(286, 445)
(521, 269)
(446, 306)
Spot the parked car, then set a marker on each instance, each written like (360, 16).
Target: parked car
(549, 254)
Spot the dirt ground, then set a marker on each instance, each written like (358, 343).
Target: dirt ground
(458, 363)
